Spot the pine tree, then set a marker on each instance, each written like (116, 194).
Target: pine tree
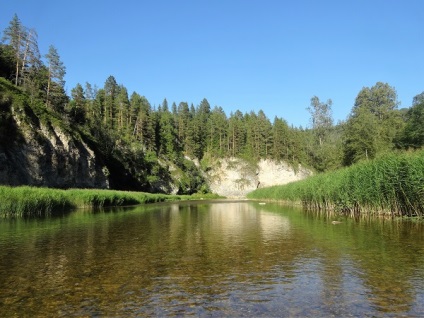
(168, 143)
(55, 96)
(182, 124)
(251, 150)
(22, 50)
(77, 106)
(135, 106)
(31, 60)
(217, 132)
(15, 34)
(198, 129)
(93, 111)
(111, 90)
(236, 134)
(123, 108)
(143, 123)
(264, 135)
(280, 133)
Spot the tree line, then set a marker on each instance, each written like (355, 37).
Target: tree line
(127, 123)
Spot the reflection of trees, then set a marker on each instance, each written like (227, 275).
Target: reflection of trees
(203, 255)
(387, 252)
(383, 254)
(142, 255)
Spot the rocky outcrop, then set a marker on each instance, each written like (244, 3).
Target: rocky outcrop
(234, 178)
(45, 155)
(39, 147)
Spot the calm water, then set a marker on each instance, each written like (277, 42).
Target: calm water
(210, 259)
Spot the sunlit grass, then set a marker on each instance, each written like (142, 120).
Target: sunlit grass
(393, 184)
(32, 201)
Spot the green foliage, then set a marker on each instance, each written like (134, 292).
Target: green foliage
(392, 184)
(168, 143)
(7, 61)
(32, 201)
(55, 97)
(191, 180)
(77, 109)
(321, 118)
(31, 115)
(139, 142)
(413, 133)
(373, 124)
(29, 201)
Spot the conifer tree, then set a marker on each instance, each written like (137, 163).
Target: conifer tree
(55, 95)
(77, 106)
(167, 134)
(183, 120)
(135, 106)
(15, 34)
(31, 60)
(93, 111)
(217, 132)
(123, 108)
(111, 90)
(280, 133)
(236, 135)
(264, 135)
(143, 130)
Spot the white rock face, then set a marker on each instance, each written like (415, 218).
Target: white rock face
(234, 178)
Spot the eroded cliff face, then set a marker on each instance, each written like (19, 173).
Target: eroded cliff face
(234, 178)
(40, 148)
(44, 155)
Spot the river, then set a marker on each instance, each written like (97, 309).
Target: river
(231, 258)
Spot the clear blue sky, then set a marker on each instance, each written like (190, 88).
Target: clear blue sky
(239, 54)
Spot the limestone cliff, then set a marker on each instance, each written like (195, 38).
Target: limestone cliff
(234, 178)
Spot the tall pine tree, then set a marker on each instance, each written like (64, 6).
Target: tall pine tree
(55, 95)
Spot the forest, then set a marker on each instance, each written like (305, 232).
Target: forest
(126, 126)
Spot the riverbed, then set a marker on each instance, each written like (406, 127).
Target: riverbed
(229, 258)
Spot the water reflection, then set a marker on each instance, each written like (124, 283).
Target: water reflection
(214, 259)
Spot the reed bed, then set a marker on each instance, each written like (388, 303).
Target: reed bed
(390, 185)
(32, 201)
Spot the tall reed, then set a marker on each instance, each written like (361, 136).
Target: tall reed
(31, 201)
(392, 184)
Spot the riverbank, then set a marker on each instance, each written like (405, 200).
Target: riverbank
(390, 185)
(32, 201)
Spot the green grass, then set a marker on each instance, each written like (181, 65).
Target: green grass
(31, 201)
(393, 184)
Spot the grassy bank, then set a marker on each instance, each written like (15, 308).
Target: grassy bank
(393, 184)
(32, 201)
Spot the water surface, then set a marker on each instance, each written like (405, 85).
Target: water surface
(210, 259)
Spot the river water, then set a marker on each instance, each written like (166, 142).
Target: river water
(210, 259)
